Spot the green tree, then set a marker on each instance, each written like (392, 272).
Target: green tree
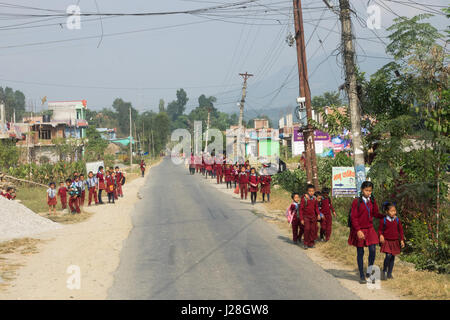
(327, 99)
(14, 102)
(161, 105)
(95, 146)
(177, 107)
(122, 114)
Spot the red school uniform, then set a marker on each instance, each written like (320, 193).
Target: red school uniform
(362, 219)
(392, 231)
(253, 182)
(227, 172)
(243, 184)
(309, 210)
(110, 187)
(327, 222)
(297, 228)
(265, 184)
(51, 197)
(119, 177)
(62, 193)
(101, 181)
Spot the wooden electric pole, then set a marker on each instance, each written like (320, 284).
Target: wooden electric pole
(207, 129)
(245, 75)
(308, 133)
(351, 86)
(131, 142)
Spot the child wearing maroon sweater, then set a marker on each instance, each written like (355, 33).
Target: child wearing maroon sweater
(309, 214)
(362, 233)
(243, 183)
(391, 238)
(326, 210)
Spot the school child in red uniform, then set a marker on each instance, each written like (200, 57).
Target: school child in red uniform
(62, 193)
(92, 188)
(309, 214)
(392, 238)
(142, 165)
(293, 216)
(51, 198)
(326, 210)
(74, 193)
(253, 182)
(119, 178)
(101, 183)
(114, 177)
(362, 233)
(265, 185)
(10, 193)
(321, 218)
(110, 187)
(228, 175)
(243, 183)
(192, 165)
(83, 190)
(235, 173)
(219, 171)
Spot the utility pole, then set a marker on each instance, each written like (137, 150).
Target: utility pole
(245, 75)
(131, 143)
(153, 145)
(308, 133)
(207, 129)
(351, 86)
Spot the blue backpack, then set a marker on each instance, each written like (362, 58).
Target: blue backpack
(396, 220)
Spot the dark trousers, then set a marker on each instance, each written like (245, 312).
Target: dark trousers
(268, 196)
(100, 196)
(253, 197)
(229, 184)
(360, 256)
(310, 230)
(297, 230)
(110, 197)
(388, 265)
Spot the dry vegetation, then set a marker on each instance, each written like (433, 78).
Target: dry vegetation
(10, 255)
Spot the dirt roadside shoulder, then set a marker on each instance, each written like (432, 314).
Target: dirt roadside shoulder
(93, 246)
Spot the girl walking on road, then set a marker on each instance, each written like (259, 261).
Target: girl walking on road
(253, 181)
(362, 233)
(391, 238)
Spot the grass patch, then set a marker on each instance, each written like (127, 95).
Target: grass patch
(34, 198)
(408, 282)
(69, 218)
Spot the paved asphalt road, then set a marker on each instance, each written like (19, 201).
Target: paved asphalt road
(191, 241)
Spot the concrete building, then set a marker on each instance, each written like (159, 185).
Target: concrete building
(43, 136)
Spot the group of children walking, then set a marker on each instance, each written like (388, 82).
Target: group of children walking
(73, 191)
(314, 209)
(244, 178)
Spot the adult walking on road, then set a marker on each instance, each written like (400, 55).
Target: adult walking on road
(142, 167)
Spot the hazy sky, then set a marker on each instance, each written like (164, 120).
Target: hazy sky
(201, 53)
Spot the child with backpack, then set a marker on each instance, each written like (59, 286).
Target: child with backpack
(326, 210)
(391, 238)
(362, 232)
(110, 187)
(266, 179)
(74, 193)
(321, 218)
(309, 214)
(293, 216)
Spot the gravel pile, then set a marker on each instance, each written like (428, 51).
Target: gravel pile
(17, 221)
